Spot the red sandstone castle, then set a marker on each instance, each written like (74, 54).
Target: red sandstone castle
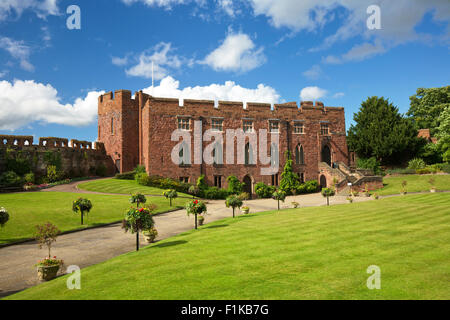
(138, 131)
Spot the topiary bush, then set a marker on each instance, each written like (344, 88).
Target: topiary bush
(234, 202)
(234, 185)
(10, 179)
(4, 217)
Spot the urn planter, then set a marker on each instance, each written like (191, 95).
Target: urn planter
(47, 273)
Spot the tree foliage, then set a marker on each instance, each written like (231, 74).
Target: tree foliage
(380, 131)
(289, 179)
(426, 107)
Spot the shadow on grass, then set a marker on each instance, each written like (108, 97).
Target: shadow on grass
(217, 226)
(170, 244)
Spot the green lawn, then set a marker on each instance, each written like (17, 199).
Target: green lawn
(121, 187)
(416, 183)
(307, 253)
(29, 209)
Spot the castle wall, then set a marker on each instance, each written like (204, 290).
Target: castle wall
(80, 158)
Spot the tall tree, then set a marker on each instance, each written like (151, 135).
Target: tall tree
(381, 131)
(443, 134)
(427, 106)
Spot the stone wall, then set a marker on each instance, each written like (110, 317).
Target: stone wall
(78, 158)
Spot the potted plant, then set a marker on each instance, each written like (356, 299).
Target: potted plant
(47, 268)
(350, 199)
(327, 192)
(432, 186)
(355, 193)
(195, 207)
(201, 219)
(403, 189)
(245, 210)
(295, 204)
(279, 196)
(83, 206)
(150, 234)
(170, 194)
(375, 196)
(137, 220)
(138, 198)
(234, 202)
(4, 217)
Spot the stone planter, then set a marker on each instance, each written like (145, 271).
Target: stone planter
(201, 220)
(149, 238)
(433, 190)
(47, 273)
(245, 211)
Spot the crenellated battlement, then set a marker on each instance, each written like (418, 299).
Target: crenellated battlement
(125, 96)
(50, 143)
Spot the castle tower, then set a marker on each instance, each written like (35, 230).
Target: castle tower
(118, 128)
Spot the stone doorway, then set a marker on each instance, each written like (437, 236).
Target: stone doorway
(248, 185)
(326, 155)
(323, 182)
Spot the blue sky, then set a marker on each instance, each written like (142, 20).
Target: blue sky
(245, 50)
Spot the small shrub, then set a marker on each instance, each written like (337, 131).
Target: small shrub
(327, 193)
(244, 196)
(423, 171)
(140, 169)
(10, 179)
(279, 195)
(215, 193)
(446, 167)
(370, 164)
(416, 164)
(234, 185)
(29, 178)
(125, 176)
(264, 191)
(4, 217)
(201, 183)
(170, 194)
(138, 198)
(401, 171)
(142, 178)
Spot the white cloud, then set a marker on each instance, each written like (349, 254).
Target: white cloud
(338, 95)
(117, 61)
(3, 73)
(236, 53)
(24, 102)
(168, 4)
(18, 50)
(227, 7)
(313, 73)
(358, 53)
(163, 61)
(229, 91)
(42, 8)
(312, 93)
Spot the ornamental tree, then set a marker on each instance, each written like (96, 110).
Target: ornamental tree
(289, 179)
(170, 194)
(327, 193)
(45, 235)
(83, 206)
(196, 207)
(279, 195)
(4, 217)
(138, 198)
(137, 220)
(234, 202)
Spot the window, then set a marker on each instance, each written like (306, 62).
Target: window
(324, 130)
(299, 127)
(247, 153)
(112, 125)
(184, 154)
(274, 126)
(248, 126)
(183, 124)
(299, 155)
(184, 179)
(275, 180)
(218, 181)
(217, 125)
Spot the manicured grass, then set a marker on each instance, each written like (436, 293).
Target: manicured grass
(121, 187)
(416, 183)
(30, 209)
(307, 253)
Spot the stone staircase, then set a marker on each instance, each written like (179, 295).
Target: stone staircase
(342, 175)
